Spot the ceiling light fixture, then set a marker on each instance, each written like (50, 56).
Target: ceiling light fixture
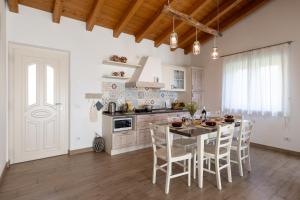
(173, 37)
(196, 45)
(215, 53)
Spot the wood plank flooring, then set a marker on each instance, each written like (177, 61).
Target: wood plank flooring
(92, 176)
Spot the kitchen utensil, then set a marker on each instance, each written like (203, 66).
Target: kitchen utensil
(112, 107)
(148, 108)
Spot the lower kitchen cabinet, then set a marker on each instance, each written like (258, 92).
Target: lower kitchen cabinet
(137, 138)
(144, 137)
(123, 139)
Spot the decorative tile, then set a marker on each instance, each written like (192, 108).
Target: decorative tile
(116, 91)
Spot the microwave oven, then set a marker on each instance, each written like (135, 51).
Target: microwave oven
(122, 124)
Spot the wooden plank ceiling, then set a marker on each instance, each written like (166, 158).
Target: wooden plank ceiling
(144, 19)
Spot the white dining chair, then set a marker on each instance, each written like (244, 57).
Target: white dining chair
(220, 151)
(241, 145)
(163, 149)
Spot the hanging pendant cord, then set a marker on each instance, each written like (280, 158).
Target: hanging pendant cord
(173, 23)
(218, 20)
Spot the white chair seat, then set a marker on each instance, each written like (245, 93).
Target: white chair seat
(175, 152)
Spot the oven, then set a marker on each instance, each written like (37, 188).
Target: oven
(122, 124)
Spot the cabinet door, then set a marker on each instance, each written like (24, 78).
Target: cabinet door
(197, 79)
(124, 139)
(177, 78)
(144, 137)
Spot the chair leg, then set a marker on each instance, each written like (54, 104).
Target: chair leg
(189, 174)
(249, 163)
(154, 170)
(168, 177)
(240, 164)
(243, 155)
(218, 176)
(229, 169)
(209, 164)
(195, 165)
(184, 165)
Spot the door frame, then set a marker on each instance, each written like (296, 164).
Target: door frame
(11, 47)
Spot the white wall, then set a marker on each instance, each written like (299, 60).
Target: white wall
(3, 85)
(87, 50)
(277, 21)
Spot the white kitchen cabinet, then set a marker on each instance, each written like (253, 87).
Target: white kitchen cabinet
(197, 79)
(174, 78)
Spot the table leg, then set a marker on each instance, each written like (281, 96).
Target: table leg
(200, 151)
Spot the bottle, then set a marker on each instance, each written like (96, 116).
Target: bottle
(203, 114)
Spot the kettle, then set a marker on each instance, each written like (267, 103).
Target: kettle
(112, 107)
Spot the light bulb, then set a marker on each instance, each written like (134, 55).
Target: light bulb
(173, 40)
(196, 47)
(215, 53)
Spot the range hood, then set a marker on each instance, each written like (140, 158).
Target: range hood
(146, 76)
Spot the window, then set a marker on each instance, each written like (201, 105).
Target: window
(31, 84)
(256, 82)
(50, 85)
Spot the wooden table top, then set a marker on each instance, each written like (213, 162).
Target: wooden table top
(194, 131)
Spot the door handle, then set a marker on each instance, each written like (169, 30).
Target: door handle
(58, 104)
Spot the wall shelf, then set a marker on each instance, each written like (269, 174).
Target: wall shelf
(109, 62)
(116, 77)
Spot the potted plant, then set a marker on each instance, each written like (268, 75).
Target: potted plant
(192, 108)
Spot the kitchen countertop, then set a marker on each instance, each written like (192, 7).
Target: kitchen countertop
(159, 111)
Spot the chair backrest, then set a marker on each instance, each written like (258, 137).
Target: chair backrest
(224, 139)
(160, 137)
(245, 132)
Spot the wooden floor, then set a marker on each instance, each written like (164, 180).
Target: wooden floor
(128, 176)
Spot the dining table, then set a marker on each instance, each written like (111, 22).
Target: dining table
(202, 133)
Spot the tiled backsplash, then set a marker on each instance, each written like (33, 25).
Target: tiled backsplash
(116, 92)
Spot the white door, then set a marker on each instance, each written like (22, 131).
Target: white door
(38, 102)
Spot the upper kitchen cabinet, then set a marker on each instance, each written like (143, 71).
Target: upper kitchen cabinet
(197, 79)
(174, 78)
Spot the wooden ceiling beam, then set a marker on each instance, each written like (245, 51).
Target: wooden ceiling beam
(132, 9)
(13, 5)
(158, 41)
(233, 19)
(191, 34)
(91, 21)
(150, 24)
(57, 10)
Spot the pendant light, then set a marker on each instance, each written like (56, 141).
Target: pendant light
(173, 37)
(196, 45)
(215, 53)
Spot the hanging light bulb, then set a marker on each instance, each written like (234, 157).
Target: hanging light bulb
(196, 45)
(215, 53)
(173, 38)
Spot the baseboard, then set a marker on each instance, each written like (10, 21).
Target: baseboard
(4, 171)
(79, 151)
(285, 151)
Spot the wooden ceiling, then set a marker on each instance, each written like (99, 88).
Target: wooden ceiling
(144, 18)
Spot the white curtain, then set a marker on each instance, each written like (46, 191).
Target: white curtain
(256, 82)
